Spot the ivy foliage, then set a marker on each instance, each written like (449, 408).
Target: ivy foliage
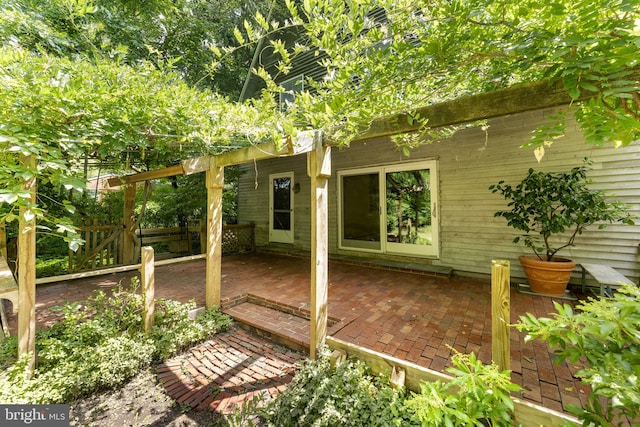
(100, 345)
(180, 31)
(381, 57)
(601, 337)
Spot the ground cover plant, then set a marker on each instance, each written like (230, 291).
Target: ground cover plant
(100, 345)
(349, 395)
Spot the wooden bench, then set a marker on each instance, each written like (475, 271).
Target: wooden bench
(607, 278)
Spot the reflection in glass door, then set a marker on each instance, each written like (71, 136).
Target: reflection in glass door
(390, 209)
(408, 211)
(361, 211)
(281, 208)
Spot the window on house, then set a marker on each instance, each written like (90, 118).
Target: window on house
(291, 87)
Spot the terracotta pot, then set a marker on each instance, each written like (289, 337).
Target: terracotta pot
(547, 277)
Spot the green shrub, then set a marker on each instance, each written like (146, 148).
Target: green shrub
(601, 337)
(346, 395)
(100, 345)
(52, 266)
(479, 395)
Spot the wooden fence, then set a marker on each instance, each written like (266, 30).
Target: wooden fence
(103, 247)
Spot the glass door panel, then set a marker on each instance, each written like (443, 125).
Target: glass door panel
(409, 227)
(281, 207)
(361, 211)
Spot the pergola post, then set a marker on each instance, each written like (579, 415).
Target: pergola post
(26, 269)
(129, 241)
(500, 314)
(3, 241)
(319, 169)
(215, 184)
(147, 274)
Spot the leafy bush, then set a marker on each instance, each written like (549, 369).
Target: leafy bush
(477, 396)
(100, 345)
(346, 395)
(545, 205)
(52, 266)
(601, 337)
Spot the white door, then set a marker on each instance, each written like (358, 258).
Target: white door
(281, 208)
(390, 209)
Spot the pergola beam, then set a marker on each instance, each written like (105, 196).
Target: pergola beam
(146, 176)
(302, 143)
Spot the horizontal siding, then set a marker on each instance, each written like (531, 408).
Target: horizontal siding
(469, 163)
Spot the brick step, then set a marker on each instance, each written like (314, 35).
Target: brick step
(281, 327)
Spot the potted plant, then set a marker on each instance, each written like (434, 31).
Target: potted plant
(552, 209)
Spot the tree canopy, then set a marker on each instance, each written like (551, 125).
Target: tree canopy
(422, 52)
(130, 83)
(70, 90)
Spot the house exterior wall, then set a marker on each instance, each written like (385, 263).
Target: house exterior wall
(470, 161)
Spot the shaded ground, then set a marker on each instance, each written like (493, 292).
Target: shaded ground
(200, 387)
(140, 402)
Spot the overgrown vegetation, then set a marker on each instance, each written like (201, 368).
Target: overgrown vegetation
(348, 395)
(100, 345)
(602, 337)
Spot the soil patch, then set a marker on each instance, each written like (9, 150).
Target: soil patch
(140, 402)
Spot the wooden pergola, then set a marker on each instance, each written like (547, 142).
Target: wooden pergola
(516, 99)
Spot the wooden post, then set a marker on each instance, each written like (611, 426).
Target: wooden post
(500, 314)
(27, 270)
(148, 287)
(319, 169)
(215, 184)
(3, 241)
(129, 238)
(203, 236)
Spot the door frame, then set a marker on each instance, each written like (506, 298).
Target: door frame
(276, 235)
(427, 251)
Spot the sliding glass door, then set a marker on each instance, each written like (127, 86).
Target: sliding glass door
(390, 209)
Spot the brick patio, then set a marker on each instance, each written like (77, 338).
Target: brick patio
(407, 315)
(227, 370)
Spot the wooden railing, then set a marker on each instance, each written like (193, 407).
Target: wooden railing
(178, 239)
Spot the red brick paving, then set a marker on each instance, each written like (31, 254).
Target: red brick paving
(227, 370)
(406, 315)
